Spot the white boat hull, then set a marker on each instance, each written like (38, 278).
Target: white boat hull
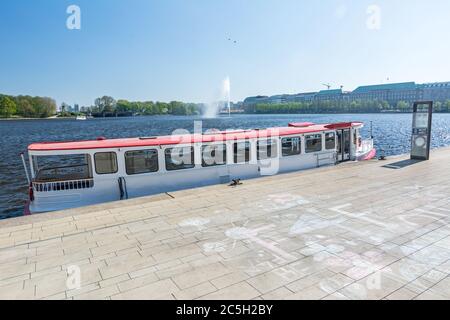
(108, 190)
(94, 188)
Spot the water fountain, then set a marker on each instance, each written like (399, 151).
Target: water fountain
(212, 109)
(227, 93)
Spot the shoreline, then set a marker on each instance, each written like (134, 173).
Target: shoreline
(50, 118)
(218, 116)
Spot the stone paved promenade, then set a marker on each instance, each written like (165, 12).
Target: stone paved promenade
(376, 230)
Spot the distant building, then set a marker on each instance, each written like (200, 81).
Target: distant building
(65, 107)
(301, 97)
(392, 93)
(439, 91)
(256, 100)
(326, 95)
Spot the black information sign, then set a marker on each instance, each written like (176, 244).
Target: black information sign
(421, 130)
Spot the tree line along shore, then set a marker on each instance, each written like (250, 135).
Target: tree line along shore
(357, 106)
(44, 107)
(26, 107)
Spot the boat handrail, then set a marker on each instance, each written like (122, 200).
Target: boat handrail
(63, 173)
(48, 186)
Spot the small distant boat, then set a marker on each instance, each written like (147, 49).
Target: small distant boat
(82, 117)
(73, 174)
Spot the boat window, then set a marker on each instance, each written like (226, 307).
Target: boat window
(330, 141)
(179, 158)
(266, 149)
(291, 146)
(141, 161)
(105, 162)
(62, 167)
(313, 143)
(241, 152)
(214, 155)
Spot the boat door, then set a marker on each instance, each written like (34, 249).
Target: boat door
(343, 144)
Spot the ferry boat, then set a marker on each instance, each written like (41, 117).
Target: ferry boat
(67, 175)
(81, 117)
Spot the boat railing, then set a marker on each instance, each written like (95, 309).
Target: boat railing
(63, 185)
(63, 173)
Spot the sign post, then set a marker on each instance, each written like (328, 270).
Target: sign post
(421, 130)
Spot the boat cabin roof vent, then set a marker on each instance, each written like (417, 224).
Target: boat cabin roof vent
(341, 125)
(301, 124)
(148, 138)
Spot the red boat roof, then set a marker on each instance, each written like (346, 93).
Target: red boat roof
(102, 143)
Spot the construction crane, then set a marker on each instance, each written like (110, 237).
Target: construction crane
(327, 85)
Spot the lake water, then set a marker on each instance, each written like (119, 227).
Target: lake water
(391, 131)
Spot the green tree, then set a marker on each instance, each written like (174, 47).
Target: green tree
(403, 106)
(105, 104)
(123, 106)
(446, 106)
(43, 107)
(24, 107)
(7, 107)
(177, 108)
(327, 106)
(162, 108)
(148, 108)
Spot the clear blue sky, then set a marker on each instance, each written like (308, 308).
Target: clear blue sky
(179, 49)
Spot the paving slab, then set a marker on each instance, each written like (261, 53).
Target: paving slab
(354, 231)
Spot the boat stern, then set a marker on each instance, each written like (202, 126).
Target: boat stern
(367, 156)
(366, 150)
